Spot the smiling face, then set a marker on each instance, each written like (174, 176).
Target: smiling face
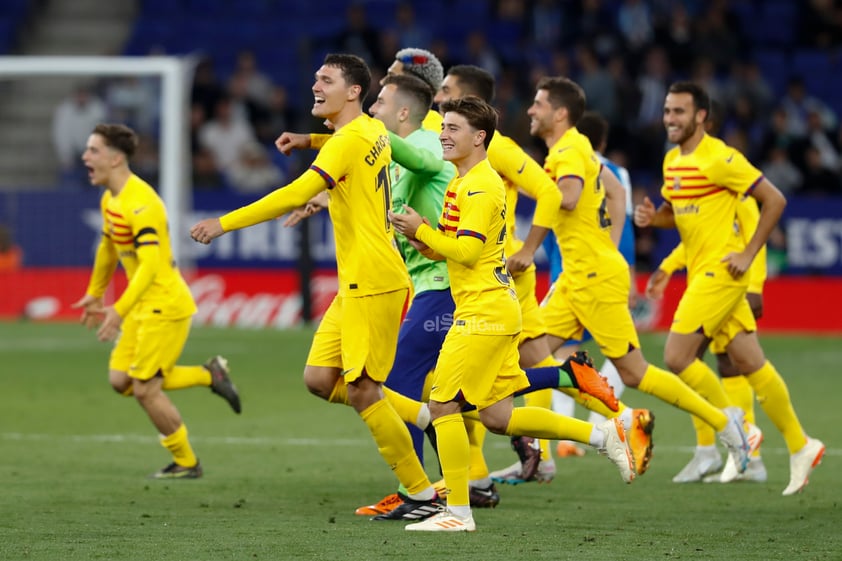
(331, 92)
(386, 107)
(449, 90)
(100, 160)
(458, 138)
(541, 115)
(681, 118)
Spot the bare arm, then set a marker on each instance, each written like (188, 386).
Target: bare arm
(772, 203)
(615, 199)
(646, 215)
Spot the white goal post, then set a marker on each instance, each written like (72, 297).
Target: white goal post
(175, 74)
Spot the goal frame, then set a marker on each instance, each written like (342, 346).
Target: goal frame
(175, 74)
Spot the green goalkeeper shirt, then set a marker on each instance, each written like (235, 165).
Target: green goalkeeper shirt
(419, 179)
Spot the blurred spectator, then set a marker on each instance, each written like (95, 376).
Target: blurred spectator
(358, 37)
(547, 22)
(206, 89)
(797, 104)
(478, 51)
(596, 22)
(716, 35)
(747, 81)
(776, 253)
(135, 102)
(635, 24)
(257, 85)
(598, 84)
(675, 33)
(652, 86)
(145, 161)
(743, 117)
(818, 180)
(11, 255)
(224, 135)
(73, 121)
(253, 171)
(821, 24)
(279, 116)
(408, 32)
(781, 171)
(821, 140)
(779, 136)
(243, 106)
(704, 74)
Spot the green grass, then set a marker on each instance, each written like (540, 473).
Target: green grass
(282, 480)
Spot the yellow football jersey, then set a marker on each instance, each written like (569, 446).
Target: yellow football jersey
(705, 188)
(583, 233)
(135, 225)
(520, 171)
(475, 205)
(355, 165)
(433, 121)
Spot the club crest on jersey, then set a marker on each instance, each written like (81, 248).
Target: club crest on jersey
(676, 183)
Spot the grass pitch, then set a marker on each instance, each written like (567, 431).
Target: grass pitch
(282, 480)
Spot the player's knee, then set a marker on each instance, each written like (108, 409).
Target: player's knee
(677, 361)
(120, 383)
(318, 384)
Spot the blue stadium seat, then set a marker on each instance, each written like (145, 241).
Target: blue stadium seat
(774, 64)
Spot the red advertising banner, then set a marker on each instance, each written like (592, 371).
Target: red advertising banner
(256, 298)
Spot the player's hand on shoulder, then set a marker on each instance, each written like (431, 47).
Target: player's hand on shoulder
(207, 230)
(289, 141)
(644, 213)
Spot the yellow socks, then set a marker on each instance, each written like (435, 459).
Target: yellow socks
(543, 423)
(395, 445)
(454, 456)
(407, 408)
(476, 437)
(773, 396)
(339, 393)
(179, 446)
(182, 377)
(740, 394)
(669, 388)
(705, 382)
(541, 398)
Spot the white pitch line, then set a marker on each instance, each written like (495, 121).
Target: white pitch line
(274, 441)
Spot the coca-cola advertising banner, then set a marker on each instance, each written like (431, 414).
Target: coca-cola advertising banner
(255, 298)
(62, 229)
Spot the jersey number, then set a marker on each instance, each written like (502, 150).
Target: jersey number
(602, 214)
(385, 182)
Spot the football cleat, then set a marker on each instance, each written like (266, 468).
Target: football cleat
(221, 383)
(175, 471)
(441, 488)
(588, 379)
(513, 475)
(801, 465)
(528, 449)
(616, 447)
(386, 505)
(734, 437)
(410, 509)
(705, 461)
(484, 498)
(568, 449)
(444, 521)
(640, 438)
(755, 472)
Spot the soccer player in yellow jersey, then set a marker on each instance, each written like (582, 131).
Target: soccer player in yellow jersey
(354, 345)
(478, 363)
(706, 461)
(152, 317)
(704, 180)
(519, 173)
(593, 290)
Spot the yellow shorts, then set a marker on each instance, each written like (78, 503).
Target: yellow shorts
(533, 324)
(359, 335)
(718, 310)
(602, 309)
(149, 345)
(481, 369)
